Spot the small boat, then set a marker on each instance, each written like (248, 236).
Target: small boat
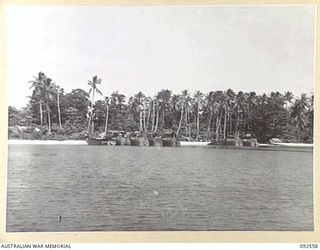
(154, 141)
(278, 142)
(169, 139)
(138, 139)
(104, 139)
(194, 143)
(122, 138)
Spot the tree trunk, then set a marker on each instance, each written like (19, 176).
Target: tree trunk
(140, 121)
(41, 114)
(230, 121)
(225, 124)
(186, 111)
(180, 122)
(49, 118)
(237, 126)
(91, 111)
(144, 118)
(148, 118)
(163, 122)
(152, 116)
(107, 118)
(209, 124)
(157, 119)
(198, 123)
(59, 113)
(217, 127)
(92, 126)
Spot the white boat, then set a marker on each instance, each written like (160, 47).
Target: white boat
(278, 142)
(194, 143)
(291, 144)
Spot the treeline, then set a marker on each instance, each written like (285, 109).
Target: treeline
(54, 114)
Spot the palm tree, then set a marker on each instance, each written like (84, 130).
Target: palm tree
(288, 96)
(239, 107)
(58, 104)
(182, 103)
(209, 107)
(93, 89)
(43, 87)
(48, 89)
(199, 100)
(300, 114)
(157, 107)
(106, 101)
(164, 99)
(230, 102)
(148, 102)
(37, 85)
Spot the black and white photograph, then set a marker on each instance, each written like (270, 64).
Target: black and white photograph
(160, 118)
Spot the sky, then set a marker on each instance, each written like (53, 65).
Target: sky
(132, 49)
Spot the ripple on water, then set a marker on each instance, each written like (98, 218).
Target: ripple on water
(147, 188)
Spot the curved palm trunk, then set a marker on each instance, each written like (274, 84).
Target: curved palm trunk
(91, 111)
(186, 120)
(48, 113)
(59, 112)
(152, 116)
(237, 125)
(144, 118)
(140, 121)
(157, 119)
(209, 124)
(148, 118)
(106, 124)
(180, 122)
(217, 127)
(230, 121)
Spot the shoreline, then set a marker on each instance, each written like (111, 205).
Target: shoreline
(45, 142)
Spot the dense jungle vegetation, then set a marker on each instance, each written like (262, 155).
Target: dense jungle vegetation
(51, 113)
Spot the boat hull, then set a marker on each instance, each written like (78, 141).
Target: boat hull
(139, 141)
(100, 142)
(170, 143)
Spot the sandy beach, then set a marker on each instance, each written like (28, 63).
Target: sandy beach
(80, 142)
(46, 142)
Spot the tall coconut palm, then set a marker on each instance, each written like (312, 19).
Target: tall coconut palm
(288, 96)
(37, 85)
(157, 108)
(198, 95)
(48, 90)
(209, 107)
(58, 105)
(153, 114)
(239, 107)
(106, 101)
(182, 103)
(93, 89)
(300, 114)
(149, 105)
(230, 101)
(44, 88)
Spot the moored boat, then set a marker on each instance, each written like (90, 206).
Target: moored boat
(278, 142)
(169, 139)
(138, 139)
(104, 139)
(154, 141)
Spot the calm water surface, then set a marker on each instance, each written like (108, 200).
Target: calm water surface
(97, 188)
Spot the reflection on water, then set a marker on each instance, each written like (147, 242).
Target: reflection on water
(97, 188)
